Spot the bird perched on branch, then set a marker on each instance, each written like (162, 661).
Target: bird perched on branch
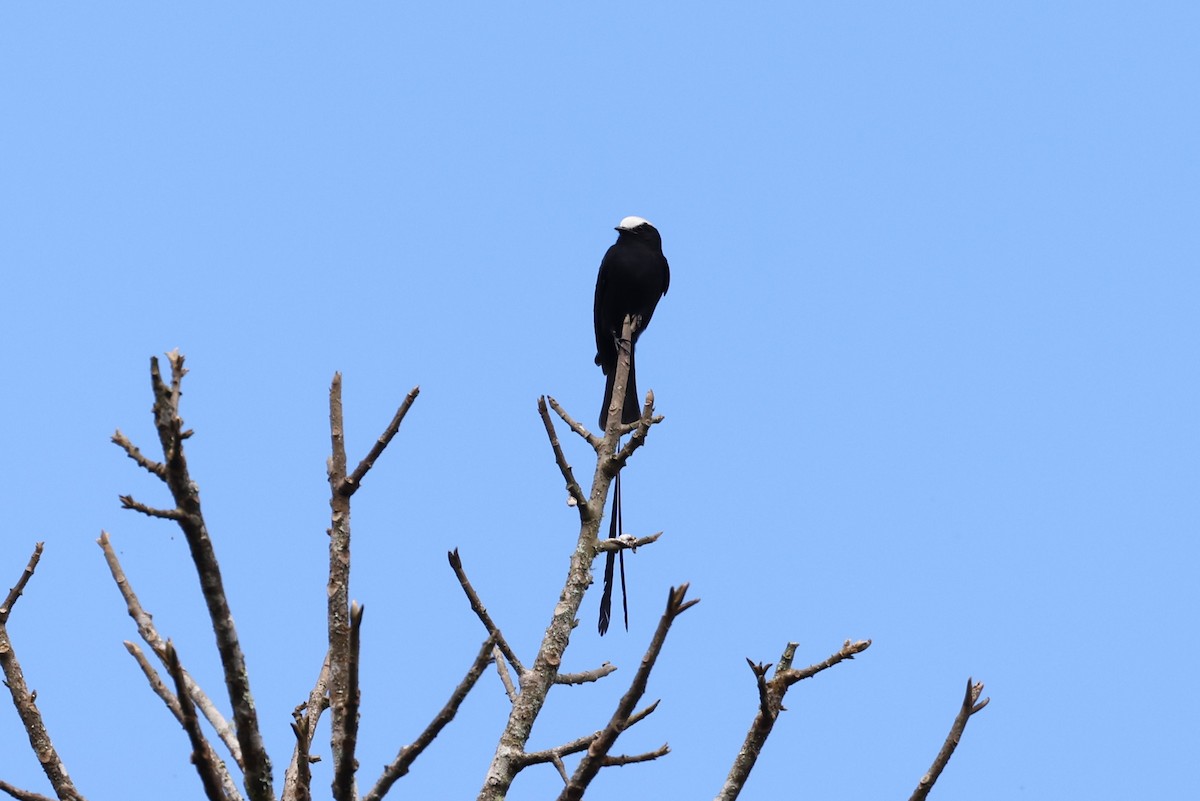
(633, 277)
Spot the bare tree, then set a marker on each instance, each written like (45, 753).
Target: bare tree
(241, 751)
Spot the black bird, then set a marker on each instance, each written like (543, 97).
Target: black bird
(634, 275)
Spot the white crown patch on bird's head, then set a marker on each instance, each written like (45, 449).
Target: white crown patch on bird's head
(629, 223)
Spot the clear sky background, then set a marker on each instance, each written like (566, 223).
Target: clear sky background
(928, 365)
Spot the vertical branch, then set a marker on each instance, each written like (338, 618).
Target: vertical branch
(536, 683)
(343, 776)
(297, 781)
(187, 513)
(338, 590)
(343, 622)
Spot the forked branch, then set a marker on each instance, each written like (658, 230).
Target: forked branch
(770, 704)
(970, 705)
(343, 620)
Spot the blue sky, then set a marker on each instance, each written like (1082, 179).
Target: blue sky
(928, 365)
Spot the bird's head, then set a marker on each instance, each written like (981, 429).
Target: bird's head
(638, 229)
(631, 224)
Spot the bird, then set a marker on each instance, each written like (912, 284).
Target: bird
(634, 276)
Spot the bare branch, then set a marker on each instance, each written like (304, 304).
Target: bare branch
(481, 611)
(760, 678)
(31, 719)
(407, 755)
(26, 704)
(354, 481)
(131, 450)
(573, 488)
(555, 754)
(502, 671)
(770, 704)
(574, 425)
(338, 592)
(785, 659)
(19, 587)
(536, 682)
(597, 752)
(297, 780)
(639, 430)
(626, 542)
(202, 753)
(156, 683)
(617, 761)
(342, 625)
(848, 651)
(127, 502)
(344, 769)
(162, 691)
(145, 626)
(22, 795)
(970, 705)
(256, 764)
(586, 676)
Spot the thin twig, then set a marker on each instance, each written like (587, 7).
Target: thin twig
(19, 587)
(145, 626)
(22, 795)
(760, 678)
(502, 671)
(970, 705)
(354, 481)
(297, 780)
(131, 450)
(597, 752)
(848, 651)
(481, 612)
(31, 719)
(202, 752)
(127, 502)
(555, 754)
(574, 425)
(404, 759)
(586, 676)
(638, 431)
(573, 488)
(633, 759)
